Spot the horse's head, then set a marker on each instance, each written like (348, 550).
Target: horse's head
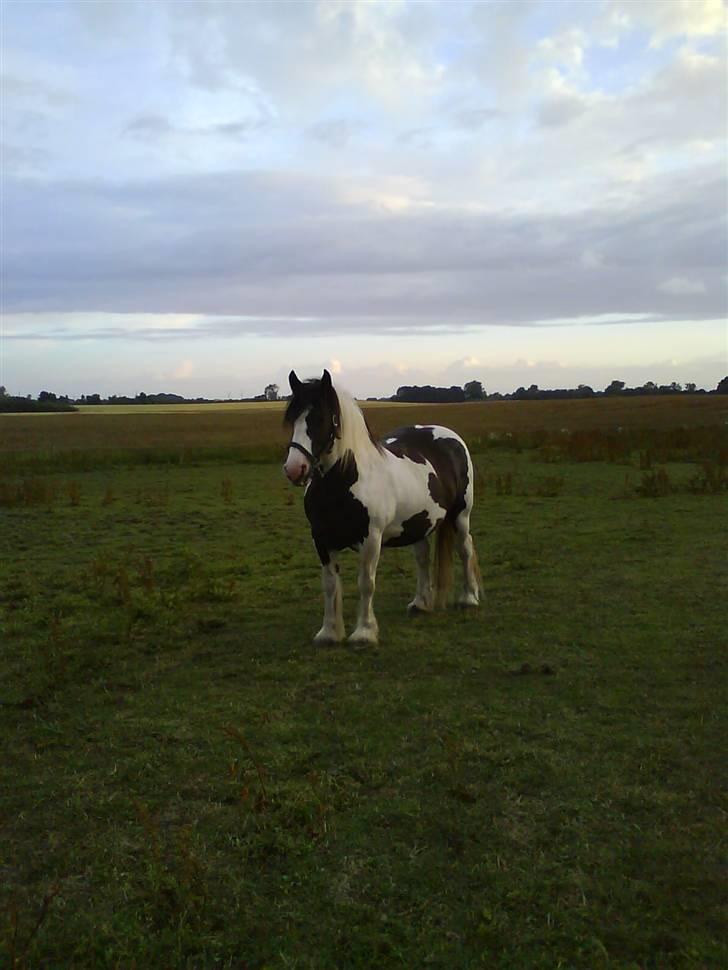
(314, 416)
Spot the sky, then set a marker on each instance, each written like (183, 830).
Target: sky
(199, 196)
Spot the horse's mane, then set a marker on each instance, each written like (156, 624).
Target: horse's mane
(356, 435)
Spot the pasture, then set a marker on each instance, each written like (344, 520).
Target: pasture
(188, 782)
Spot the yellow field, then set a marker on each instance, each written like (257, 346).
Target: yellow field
(181, 408)
(249, 424)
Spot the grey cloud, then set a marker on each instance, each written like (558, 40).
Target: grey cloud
(289, 252)
(474, 118)
(17, 159)
(149, 126)
(154, 126)
(421, 137)
(24, 89)
(335, 132)
(560, 109)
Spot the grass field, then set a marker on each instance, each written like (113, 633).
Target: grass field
(188, 782)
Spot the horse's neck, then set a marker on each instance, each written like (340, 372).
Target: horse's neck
(355, 439)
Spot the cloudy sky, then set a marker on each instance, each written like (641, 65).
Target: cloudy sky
(198, 196)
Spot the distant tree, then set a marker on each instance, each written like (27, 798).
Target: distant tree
(526, 394)
(690, 388)
(616, 387)
(429, 394)
(93, 399)
(271, 392)
(722, 387)
(47, 396)
(3, 391)
(474, 391)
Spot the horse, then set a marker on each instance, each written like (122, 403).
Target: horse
(365, 494)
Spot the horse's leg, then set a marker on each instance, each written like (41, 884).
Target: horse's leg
(466, 550)
(332, 630)
(366, 630)
(423, 595)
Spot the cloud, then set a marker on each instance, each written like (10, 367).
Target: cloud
(560, 109)
(378, 167)
(334, 132)
(154, 126)
(665, 19)
(473, 118)
(281, 246)
(680, 286)
(32, 89)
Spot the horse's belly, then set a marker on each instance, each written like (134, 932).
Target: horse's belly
(413, 528)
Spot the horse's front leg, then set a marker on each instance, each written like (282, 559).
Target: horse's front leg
(367, 630)
(332, 630)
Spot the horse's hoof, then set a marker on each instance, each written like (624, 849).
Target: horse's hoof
(326, 639)
(363, 638)
(414, 610)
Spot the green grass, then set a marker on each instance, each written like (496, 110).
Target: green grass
(188, 782)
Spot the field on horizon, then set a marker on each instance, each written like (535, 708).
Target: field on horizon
(253, 428)
(188, 782)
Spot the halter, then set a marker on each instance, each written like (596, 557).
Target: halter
(316, 459)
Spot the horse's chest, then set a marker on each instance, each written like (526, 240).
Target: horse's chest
(338, 519)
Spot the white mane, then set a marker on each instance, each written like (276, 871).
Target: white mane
(355, 437)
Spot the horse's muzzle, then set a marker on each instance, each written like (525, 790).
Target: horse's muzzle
(297, 473)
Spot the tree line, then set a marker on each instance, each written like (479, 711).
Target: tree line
(412, 394)
(474, 391)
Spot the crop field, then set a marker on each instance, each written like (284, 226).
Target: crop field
(187, 782)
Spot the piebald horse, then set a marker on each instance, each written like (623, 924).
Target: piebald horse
(366, 494)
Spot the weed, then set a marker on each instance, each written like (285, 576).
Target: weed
(260, 798)
(226, 490)
(145, 573)
(504, 484)
(549, 486)
(30, 491)
(123, 587)
(711, 480)
(99, 572)
(18, 948)
(73, 490)
(655, 484)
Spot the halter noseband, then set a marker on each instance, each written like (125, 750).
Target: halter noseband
(316, 459)
(312, 458)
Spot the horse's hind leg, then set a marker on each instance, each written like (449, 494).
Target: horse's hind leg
(423, 595)
(470, 595)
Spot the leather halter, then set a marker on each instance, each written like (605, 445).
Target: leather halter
(315, 460)
(304, 451)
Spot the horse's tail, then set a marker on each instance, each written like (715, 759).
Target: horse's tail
(443, 561)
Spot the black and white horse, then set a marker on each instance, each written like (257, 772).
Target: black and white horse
(365, 494)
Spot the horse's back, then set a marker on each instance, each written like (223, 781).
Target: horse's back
(451, 486)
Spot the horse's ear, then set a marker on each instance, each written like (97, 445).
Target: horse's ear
(333, 399)
(294, 381)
